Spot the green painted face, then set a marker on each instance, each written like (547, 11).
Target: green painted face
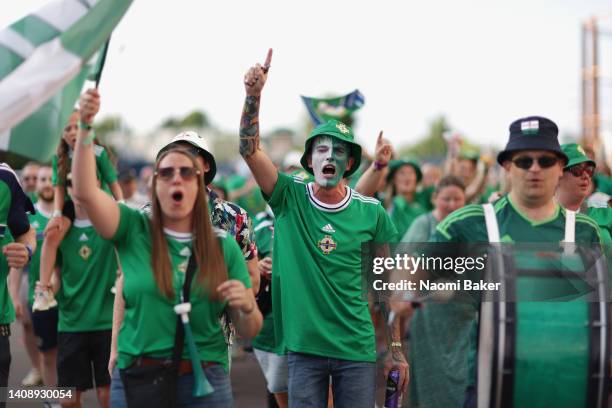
(329, 159)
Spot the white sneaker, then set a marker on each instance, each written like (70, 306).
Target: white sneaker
(43, 299)
(32, 379)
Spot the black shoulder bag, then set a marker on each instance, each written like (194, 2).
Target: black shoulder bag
(156, 385)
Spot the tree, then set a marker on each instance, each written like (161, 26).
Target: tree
(195, 119)
(430, 146)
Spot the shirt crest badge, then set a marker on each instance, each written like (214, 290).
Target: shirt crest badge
(327, 245)
(85, 252)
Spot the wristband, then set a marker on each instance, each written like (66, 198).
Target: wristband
(83, 125)
(379, 165)
(120, 201)
(91, 136)
(56, 213)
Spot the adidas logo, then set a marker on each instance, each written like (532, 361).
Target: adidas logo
(328, 228)
(83, 237)
(185, 252)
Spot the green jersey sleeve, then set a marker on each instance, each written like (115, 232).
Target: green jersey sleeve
(106, 168)
(278, 198)
(385, 230)
(130, 221)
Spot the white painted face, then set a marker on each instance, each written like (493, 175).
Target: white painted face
(329, 160)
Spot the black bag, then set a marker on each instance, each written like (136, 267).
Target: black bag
(156, 385)
(264, 296)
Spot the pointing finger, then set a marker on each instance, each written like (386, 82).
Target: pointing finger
(266, 66)
(380, 135)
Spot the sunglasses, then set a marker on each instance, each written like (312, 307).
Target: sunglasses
(187, 173)
(68, 128)
(578, 171)
(525, 162)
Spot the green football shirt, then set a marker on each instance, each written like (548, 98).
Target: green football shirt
(404, 213)
(317, 265)
(264, 237)
(149, 322)
(7, 312)
(105, 170)
(13, 223)
(468, 225)
(603, 217)
(88, 267)
(38, 222)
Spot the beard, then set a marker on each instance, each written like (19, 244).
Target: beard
(46, 195)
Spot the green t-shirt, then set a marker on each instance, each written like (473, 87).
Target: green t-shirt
(317, 264)
(403, 213)
(13, 223)
(7, 312)
(468, 225)
(264, 237)
(33, 196)
(105, 170)
(88, 269)
(603, 217)
(146, 307)
(603, 183)
(38, 222)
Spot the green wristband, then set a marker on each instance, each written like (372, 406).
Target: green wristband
(89, 138)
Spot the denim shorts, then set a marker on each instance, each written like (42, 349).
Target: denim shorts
(274, 369)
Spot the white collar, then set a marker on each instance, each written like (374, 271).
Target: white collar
(329, 207)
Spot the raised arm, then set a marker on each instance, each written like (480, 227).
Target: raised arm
(370, 180)
(101, 209)
(261, 166)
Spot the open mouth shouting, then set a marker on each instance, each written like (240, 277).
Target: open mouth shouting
(329, 170)
(177, 197)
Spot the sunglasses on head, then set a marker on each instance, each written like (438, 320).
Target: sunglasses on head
(578, 171)
(186, 173)
(525, 162)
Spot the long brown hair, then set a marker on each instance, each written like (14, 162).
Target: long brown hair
(206, 248)
(62, 157)
(63, 150)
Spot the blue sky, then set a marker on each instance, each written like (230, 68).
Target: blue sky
(481, 63)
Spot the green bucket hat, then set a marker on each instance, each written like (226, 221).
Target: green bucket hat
(337, 130)
(394, 165)
(575, 154)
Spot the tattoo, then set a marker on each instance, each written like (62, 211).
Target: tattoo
(249, 127)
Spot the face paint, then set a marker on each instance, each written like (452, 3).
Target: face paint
(329, 159)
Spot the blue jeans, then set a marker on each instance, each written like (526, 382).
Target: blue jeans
(353, 382)
(216, 375)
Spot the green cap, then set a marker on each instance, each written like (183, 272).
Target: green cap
(394, 165)
(575, 154)
(337, 130)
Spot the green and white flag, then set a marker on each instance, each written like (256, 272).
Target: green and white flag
(43, 65)
(323, 109)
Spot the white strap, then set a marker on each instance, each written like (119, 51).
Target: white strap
(570, 226)
(491, 221)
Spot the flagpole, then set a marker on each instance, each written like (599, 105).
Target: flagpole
(102, 61)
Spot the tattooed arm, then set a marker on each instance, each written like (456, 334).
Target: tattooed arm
(263, 169)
